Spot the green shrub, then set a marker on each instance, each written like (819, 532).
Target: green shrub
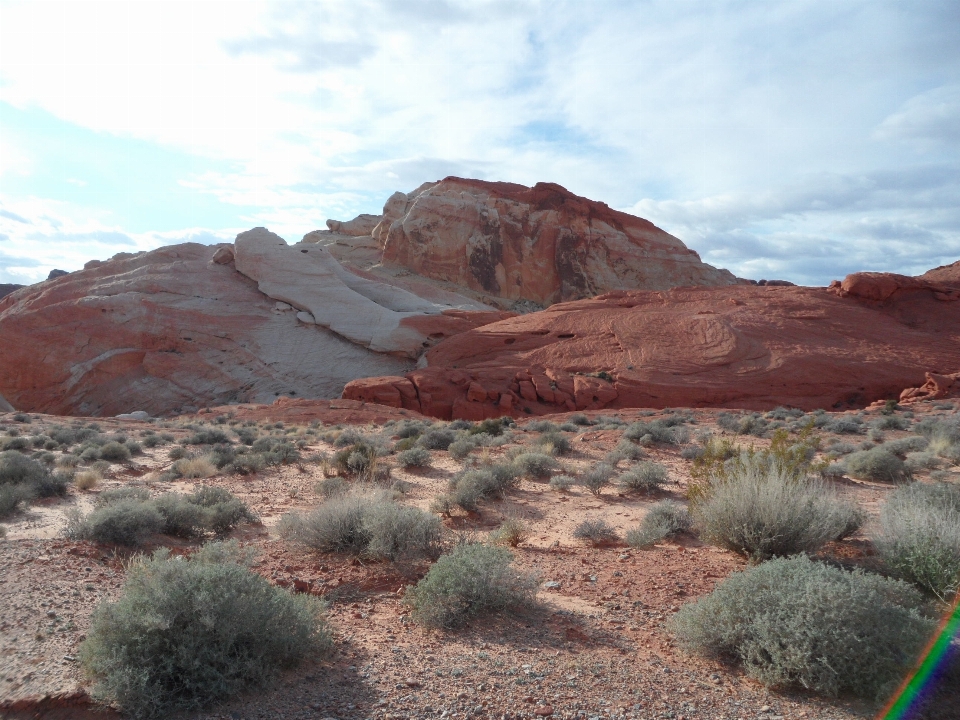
(22, 479)
(597, 478)
(209, 436)
(471, 486)
(920, 536)
(367, 525)
(562, 483)
(512, 532)
(764, 509)
(437, 439)
(595, 532)
(470, 581)
(115, 452)
(643, 477)
(795, 622)
(558, 443)
(187, 633)
(124, 522)
(459, 449)
(664, 519)
(414, 457)
(491, 426)
(877, 464)
(536, 465)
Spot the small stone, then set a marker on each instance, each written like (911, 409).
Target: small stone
(551, 585)
(412, 683)
(544, 711)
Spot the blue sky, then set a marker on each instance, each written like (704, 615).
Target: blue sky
(796, 140)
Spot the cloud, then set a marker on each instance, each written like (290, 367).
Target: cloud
(931, 117)
(12, 216)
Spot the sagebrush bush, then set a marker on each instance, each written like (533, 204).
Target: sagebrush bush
(919, 536)
(557, 443)
(115, 452)
(332, 487)
(469, 487)
(209, 436)
(664, 519)
(562, 483)
(124, 522)
(535, 465)
(764, 509)
(471, 580)
(459, 449)
(643, 477)
(795, 622)
(877, 464)
(595, 532)
(186, 633)
(414, 457)
(370, 525)
(23, 479)
(597, 477)
(437, 439)
(664, 431)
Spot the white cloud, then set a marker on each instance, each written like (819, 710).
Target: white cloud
(761, 134)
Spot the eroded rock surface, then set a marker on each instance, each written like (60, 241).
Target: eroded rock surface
(744, 346)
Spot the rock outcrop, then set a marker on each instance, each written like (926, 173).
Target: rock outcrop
(191, 325)
(6, 289)
(360, 225)
(745, 346)
(541, 244)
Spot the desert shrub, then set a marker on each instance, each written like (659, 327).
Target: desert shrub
(367, 525)
(223, 455)
(181, 517)
(890, 422)
(536, 465)
(115, 452)
(902, 446)
(127, 492)
(22, 479)
(596, 478)
(263, 444)
(469, 487)
(491, 426)
(123, 522)
(877, 464)
(580, 419)
(643, 477)
(922, 460)
(283, 454)
(664, 518)
(246, 464)
(752, 424)
(17, 443)
(541, 426)
(437, 439)
(176, 453)
(459, 449)
(665, 431)
(410, 429)
(845, 425)
(414, 457)
(795, 622)
(87, 479)
(332, 487)
(186, 633)
(557, 443)
(152, 441)
(595, 532)
(562, 483)
(223, 511)
(919, 536)
(764, 509)
(67, 461)
(782, 413)
(471, 580)
(209, 436)
(512, 532)
(405, 444)
(201, 467)
(939, 427)
(629, 451)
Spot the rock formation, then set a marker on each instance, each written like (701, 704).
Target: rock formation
(542, 244)
(743, 346)
(6, 289)
(5, 406)
(180, 327)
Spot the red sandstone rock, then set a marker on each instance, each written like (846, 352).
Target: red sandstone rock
(744, 346)
(543, 244)
(937, 386)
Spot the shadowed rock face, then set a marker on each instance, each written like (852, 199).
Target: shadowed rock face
(6, 289)
(543, 244)
(862, 340)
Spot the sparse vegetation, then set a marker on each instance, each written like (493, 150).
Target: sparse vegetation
(877, 464)
(597, 478)
(562, 483)
(369, 525)
(643, 477)
(920, 537)
(22, 479)
(186, 633)
(471, 580)
(664, 519)
(795, 622)
(762, 508)
(512, 532)
(595, 532)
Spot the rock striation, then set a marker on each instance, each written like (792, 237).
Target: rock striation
(541, 244)
(752, 347)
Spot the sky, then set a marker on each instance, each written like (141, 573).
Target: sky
(797, 140)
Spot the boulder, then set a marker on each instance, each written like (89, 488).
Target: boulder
(542, 244)
(744, 346)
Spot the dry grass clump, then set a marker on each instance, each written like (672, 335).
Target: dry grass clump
(193, 468)
(512, 531)
(795, 622)
(87, 479)
(471, 580)
(186, 633)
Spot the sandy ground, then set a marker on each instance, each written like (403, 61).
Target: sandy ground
(595, 646)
